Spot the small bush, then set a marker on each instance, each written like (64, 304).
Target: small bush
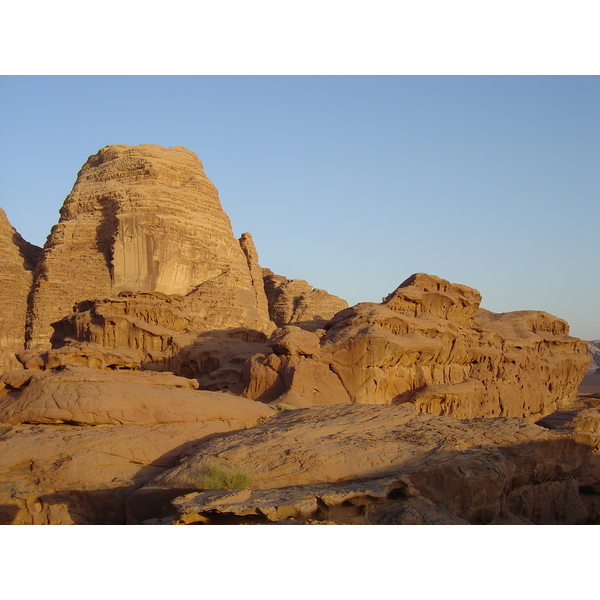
(282, 407)
(218, 477)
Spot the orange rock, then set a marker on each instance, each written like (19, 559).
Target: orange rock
(295, 302)
(82, 396)
(429, 344)
(480, 470)
(17, 261)
(145, 219)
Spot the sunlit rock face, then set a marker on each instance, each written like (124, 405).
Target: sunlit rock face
(17, 260)
(145, 219)
(428, 344)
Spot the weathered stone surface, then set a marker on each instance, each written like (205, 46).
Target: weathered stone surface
(155, 330)
(144, 219)
(260, 297)
(429, 344)
(77, 353)
(584, 416)
(423, 294)
(376, 502)
(470, 468)
(83, 396)
(17, 261)
(65, 474)
(75, 444)
(295, 302)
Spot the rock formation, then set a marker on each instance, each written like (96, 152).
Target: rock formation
(384, 464)
(75, 443)
(17, 261)
(144, 345)
(295, 302)
(427, 343)
(591, 381)
(146, 219)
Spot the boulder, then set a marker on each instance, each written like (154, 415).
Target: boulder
(79, 395)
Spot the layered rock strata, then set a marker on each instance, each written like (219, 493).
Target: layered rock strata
(427, 343)
(145, 219)
(150, 331)
(75, 443)
(386, 464)
(295, 302)
(17, 261)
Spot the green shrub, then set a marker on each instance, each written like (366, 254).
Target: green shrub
(221, 477)
(282, 407)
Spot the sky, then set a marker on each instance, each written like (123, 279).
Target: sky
(352, 183)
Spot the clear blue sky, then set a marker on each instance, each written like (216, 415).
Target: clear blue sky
(352, 183)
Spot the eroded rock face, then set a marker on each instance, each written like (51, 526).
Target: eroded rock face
(150, 331)
(17, 261)
(295, 302)
(591, 380)
(145, 219)
(480, 471)
(82, 396)
(75, 443)
(428, 343)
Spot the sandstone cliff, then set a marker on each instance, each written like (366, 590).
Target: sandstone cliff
(427, 343)
(17, 261)
(145, 219)
(295, 302)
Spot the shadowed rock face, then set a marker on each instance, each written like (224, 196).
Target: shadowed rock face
(308, 463)
(17, 261)
(145, 219)
(75, 443)
(295, 302)
(427, 343)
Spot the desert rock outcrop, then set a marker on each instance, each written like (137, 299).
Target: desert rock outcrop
(145, 345)
(145, 219)
(295, 302)
(17, 261)
(75, 443)
(428, 343)
(150, 331)
(479, 471)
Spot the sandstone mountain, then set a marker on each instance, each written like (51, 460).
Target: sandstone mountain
(145, 344)
(146, 219)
